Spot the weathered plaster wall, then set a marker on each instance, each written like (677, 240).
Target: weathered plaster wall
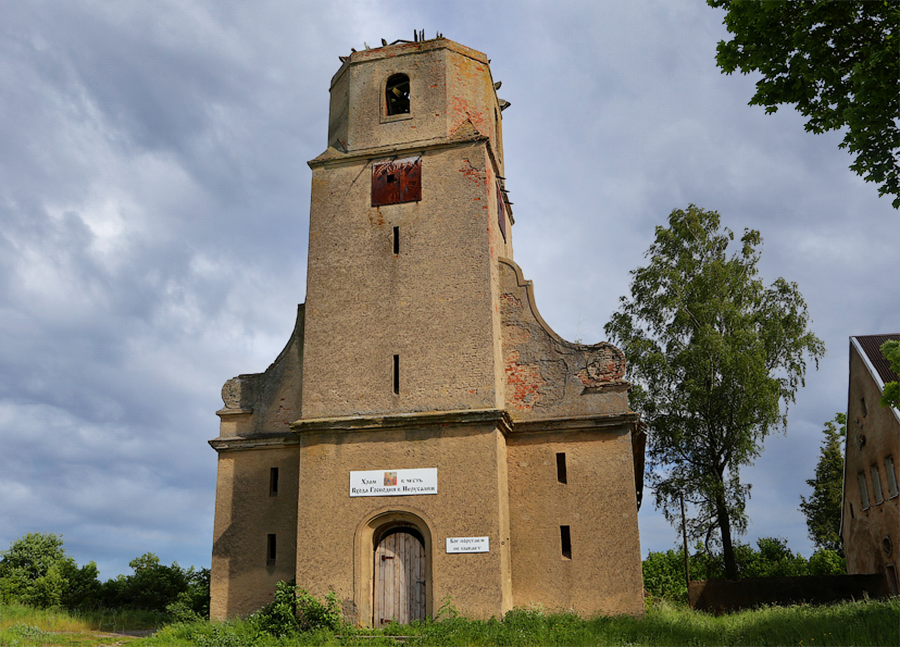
(872, 435)
(603, 575)
(254, 437)
(547, 376)
(268, 402)
(431, 304)
(242, 580)
(471, 501)
(450, 84)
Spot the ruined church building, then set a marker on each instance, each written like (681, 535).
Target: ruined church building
(424, 435)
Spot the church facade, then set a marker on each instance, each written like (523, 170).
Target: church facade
(424, 436)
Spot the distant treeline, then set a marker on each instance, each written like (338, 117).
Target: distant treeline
(664, 572)
(37, 571)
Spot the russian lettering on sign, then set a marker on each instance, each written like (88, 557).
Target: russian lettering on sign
(468, 544)
(394, 482)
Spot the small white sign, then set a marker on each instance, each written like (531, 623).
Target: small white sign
(468, 545)
(394, 482)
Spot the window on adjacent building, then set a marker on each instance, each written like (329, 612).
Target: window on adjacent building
(396, 94)
(863, 490)
(891, 476)
(270, 549)
(876, 484)
(396, 181)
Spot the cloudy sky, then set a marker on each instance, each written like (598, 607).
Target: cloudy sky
(154, 215)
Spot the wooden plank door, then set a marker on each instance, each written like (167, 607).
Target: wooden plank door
(399, 579)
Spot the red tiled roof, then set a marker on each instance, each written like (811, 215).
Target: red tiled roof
(871, 345)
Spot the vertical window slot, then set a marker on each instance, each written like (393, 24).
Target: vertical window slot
(396, 375)
(396, 241)
(270, 549)
(561, 467)
(273, 481)
(565, 540)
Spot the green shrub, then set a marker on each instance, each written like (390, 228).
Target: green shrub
(296, 610)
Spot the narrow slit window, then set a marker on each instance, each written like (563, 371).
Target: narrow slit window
(891, 476)
(863, 490)
(862, 404)
(396, 241)
(561, 467)
(565, 540)
(270, 549)
(876, 484)
(396, 375)
(396, 94)
(273, 481)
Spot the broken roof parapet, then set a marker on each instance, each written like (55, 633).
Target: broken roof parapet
(405, 48)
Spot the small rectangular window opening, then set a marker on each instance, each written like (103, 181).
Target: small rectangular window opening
(863, 490)
(396, 374)
(396, 241)
(270, 549)
(891, 476)
(876, 484)
(565, 538)
(273, 481)
(561, 467)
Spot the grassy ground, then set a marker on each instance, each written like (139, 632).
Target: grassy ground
(25, 626)
(874, 623)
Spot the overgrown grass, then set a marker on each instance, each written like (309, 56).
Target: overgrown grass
(26, 626)
(875, 623)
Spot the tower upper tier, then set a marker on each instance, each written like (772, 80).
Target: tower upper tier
(411, 94)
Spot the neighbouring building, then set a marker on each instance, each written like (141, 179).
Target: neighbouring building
(870, 525)
(424, 436)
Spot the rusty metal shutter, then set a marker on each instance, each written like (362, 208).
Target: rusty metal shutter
(396, 181)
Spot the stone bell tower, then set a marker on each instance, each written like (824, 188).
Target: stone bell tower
(424, 434)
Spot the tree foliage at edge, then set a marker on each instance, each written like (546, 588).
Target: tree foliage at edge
(713, 355)
(837, 61)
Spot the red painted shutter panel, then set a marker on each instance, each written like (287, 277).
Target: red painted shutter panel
(395, 182)
(411, 181)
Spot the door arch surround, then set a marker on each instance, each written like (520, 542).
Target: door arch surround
(371, 530)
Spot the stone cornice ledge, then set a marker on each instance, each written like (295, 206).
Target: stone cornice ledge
(333, 157)
(233, 412)
(260, 441)
(498, 417)
(577, 423)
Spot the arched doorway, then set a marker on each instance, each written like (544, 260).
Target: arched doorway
(400, 576)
